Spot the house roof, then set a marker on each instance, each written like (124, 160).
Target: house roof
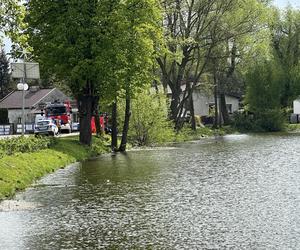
(32, 98)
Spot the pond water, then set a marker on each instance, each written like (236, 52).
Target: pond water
(232, 192)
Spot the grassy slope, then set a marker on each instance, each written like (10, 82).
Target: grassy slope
(20, 170)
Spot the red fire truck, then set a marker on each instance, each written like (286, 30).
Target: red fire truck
(61, 114)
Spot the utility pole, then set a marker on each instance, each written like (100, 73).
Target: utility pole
(24, 71)
(23, 98)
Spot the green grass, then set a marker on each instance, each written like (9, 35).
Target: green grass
(186, 134)
(293, 127)
(20, 170)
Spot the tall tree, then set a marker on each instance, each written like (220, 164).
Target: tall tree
(286, 46)
(142, 19)
(195, 31)
(4, 75)
(66, 37)
(264, 89)
(134, 34)
(11, 16)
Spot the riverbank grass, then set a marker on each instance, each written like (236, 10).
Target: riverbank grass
(19, 170)
(187, 134)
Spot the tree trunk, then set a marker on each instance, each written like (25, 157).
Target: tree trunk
(114, 130)
(97, 123)
(192, 110)
(174, 106)
(85, 108)
(220, 120)
(216, 120)
(122, 147)
(223, 109)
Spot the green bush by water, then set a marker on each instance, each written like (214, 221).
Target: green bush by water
(24, 144)
(271, 120)
(149, 124)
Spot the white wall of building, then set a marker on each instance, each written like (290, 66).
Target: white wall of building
(296, 106)
(232, 101)
(15, 114)
(201, 103)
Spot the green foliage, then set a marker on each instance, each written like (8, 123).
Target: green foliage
(244, 122)
(264, 86)
(187, 134)
(105, 43)
(285, 43)
(4, 74)
(19, 171)
(63, 36)
(149, 123)
(100, 146)
(24, 144)
(295, 128)
(11, 16)
(271, 120)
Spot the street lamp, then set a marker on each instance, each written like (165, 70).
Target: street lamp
(23, 87)
(24, 70)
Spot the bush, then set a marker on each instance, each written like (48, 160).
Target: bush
(269, 121)
(265, 85)
(149, 122)
(244, 122)
(24, 144)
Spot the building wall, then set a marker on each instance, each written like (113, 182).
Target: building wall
(233, 101)
(15, 114)
(201, 104)
(296, 106)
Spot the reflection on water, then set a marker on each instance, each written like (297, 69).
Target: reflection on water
(233, 192)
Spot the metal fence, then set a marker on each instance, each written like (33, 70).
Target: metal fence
(6, 129)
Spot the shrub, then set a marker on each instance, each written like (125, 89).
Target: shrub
(244, 122)
(149, 122)
(265, 85)
(271, 120)
(24, 144)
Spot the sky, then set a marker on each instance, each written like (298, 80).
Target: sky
(284, 3)
(279, 3)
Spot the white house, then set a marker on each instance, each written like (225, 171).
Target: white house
(295, 117)
(296, 106)
(203, 101)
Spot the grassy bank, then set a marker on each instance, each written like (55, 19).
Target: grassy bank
(18, 170)
(186, 134)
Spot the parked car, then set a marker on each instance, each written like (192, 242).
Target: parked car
(45, 127)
